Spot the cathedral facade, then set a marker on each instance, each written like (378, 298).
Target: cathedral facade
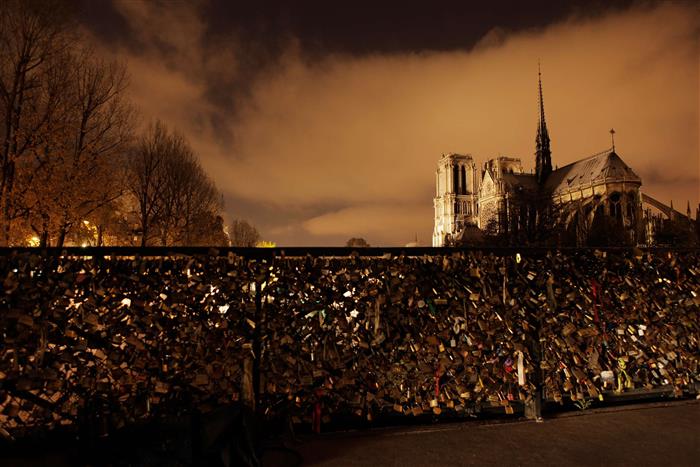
(456, 202)
(500, 198)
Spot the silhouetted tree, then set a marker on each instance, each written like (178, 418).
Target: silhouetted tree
(677, 232)
(145, 181)
(357, 243)
(243, 234)
(170, 191)
(189, 199)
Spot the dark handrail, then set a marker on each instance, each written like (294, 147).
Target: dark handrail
(296, 251)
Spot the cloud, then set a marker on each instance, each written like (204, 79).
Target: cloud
(369, 220)
(322, 150)
(494, 38)
(171, 30)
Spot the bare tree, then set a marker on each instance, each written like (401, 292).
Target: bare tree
(243, 234)
(145, 179)
(65, 136)
(82, 170)
(172, 192)
(357, 243)
(108, 225)
(33, 44)
(177, 173)
(188, 196)
(208, 230)
(201, 203)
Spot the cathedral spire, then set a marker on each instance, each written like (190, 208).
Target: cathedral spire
(543, 161)
(612, 138)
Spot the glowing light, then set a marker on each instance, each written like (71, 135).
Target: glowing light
(33, 241)
(84, 245)
(517, 258)
(265, 244)
(86, 222)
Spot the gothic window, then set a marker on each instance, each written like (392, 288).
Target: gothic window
(631, 204)
(614, 210)
(457, 211)
(615, 206)
(455, 179)
(464, 181)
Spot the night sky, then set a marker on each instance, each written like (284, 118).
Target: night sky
(321, 121)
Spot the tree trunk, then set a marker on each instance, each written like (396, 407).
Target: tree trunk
(9, 178)
(44, 240)
(61, 237)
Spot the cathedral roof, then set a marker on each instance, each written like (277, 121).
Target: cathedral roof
(527, 181)
(606, 166)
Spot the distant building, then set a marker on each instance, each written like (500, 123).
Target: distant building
(502, 199)
(415, 243)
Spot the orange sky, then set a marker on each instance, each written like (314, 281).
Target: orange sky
(336, 147)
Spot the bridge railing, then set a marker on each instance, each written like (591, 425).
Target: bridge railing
(277, 252)
(102, 338)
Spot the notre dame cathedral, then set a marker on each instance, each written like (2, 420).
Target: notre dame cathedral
(500, 199)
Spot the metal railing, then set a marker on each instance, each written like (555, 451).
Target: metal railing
(269, 255)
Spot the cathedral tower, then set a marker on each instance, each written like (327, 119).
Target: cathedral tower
(456, 193)
(543, 161)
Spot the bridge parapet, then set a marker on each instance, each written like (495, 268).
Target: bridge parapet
(333, 335)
